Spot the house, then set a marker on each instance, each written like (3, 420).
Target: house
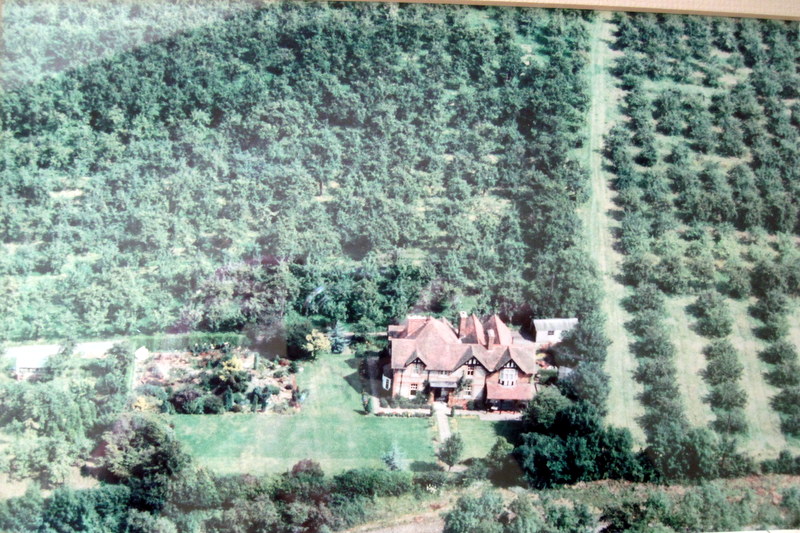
(475, 361)
(549, 331)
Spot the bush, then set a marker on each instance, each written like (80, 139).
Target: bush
(372, 482)
(432, 478)
(213, 405)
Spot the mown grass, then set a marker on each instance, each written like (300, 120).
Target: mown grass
(480, 435)
(330, 428)
(599, 223)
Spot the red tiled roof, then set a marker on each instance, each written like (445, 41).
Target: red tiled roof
(436, 344)
(473, 331)
(521, 391)
(502, 335)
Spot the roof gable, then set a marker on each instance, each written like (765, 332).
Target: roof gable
(502, 335)
(472, 332)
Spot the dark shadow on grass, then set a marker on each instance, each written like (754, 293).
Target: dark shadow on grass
(509, 429)
(354, 380)
(424, 466)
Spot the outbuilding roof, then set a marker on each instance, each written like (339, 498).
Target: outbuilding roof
(31, 360)
(554, 324)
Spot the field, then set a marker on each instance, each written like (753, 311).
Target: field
(330, 428)
(601, 216)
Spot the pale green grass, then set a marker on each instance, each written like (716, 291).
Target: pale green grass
(598, 221)
(480, 435)
(689, 360)
(330, 428)
(764, 438)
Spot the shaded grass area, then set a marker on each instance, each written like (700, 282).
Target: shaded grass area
(330, 428)
(479, 435)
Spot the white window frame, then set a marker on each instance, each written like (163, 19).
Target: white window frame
(508, 377)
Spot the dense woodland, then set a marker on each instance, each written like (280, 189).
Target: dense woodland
(346, 161)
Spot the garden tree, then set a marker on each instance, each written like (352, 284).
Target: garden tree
(586, 342)
(59, 362)
(450, 450)
(475, 513)
(588, 383)
(143, 453)
(113, 386)
(102, 509)
(316, 343)
(22, 513)
(646, 296)
(394, 458)
(230, 376)
(498, 457)
(577, 448)
(540, 414)
(713, 317)
(338, 341)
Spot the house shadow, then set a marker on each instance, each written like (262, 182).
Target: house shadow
(354, 380)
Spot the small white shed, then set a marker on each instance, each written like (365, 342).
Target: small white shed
(30, 364)
(550, 330)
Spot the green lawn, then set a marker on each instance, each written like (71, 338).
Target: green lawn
(329, 429)
(479, 436)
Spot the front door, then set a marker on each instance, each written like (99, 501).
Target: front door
(443, 395)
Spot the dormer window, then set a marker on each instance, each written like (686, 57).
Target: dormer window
(508, 377)
(470, 370)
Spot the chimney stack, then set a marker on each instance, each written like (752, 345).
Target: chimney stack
(490, 338)
(462, 324)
